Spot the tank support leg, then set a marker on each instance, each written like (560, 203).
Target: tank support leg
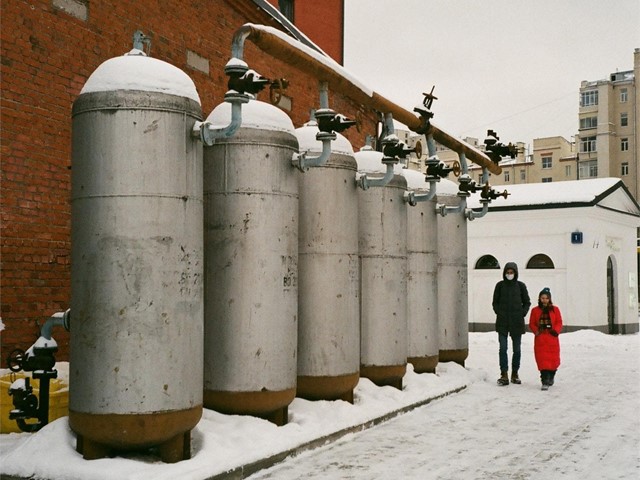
(91, 450)
(347, 397)
(176, 449)
(280, 417)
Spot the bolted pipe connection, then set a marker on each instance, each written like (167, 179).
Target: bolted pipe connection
(329, 122)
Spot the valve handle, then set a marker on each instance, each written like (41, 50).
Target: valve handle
(418, 150)
(358, 121)
(457, 168)
(276, 90)
(15, 359)
(504, 194)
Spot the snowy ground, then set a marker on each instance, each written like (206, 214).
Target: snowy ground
(586, 426)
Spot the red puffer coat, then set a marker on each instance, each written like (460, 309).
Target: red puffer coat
(546, 345)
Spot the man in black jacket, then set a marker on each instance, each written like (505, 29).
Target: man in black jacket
(510, 303)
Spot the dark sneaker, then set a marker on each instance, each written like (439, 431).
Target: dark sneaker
(515, 379)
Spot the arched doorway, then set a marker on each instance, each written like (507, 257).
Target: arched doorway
(611, 297)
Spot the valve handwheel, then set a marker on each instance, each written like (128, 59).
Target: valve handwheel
(275, 91)
(15, 359)
(457, 169)
(359, 121)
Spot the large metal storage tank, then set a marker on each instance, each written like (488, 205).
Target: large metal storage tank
(136, 269)
(328, 272)
(452, 281)
(422, 286)
(382, 231)
(251, 264)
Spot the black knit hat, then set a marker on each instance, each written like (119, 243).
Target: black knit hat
(545, 291)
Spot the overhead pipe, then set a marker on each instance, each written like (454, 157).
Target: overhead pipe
(281, 46)
(58, 319)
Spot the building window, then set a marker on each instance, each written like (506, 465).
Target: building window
(547, 162)
(623, 95)
(624, 144)
(286, 8)
(540, 260)
(588, 144)
(546, 180)
(588, 122)
(567, 171)
(487, 262)
(523, 175)
(589, 98)
(624, 119)
(588, 169)
(625, 169)
(506, 175)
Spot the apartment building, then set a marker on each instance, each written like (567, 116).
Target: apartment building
(608, 132)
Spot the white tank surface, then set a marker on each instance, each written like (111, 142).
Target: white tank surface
(422, 286)
(452, 283)
(251, 264)
(382, 226)
(137, 260)
(328, 272)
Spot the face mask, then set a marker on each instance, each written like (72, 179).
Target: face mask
(510, 276)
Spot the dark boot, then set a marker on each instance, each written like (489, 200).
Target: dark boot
(504, 378)
(515, 378)
(551, 377)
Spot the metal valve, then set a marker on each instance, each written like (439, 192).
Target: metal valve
(496, 150)
(249, 82)
(489, 193)
(395, 149)
(425, 113)
(467, 185)
(330, 121)
(276, 90)
(439, 169)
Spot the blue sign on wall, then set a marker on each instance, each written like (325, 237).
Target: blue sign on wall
(576, 237)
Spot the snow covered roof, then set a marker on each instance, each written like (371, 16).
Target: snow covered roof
(287, 25)
(609, 193)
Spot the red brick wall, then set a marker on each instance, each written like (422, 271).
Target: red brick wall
(45, 58)
(323, 22)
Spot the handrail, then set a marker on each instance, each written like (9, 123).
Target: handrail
(279, 45)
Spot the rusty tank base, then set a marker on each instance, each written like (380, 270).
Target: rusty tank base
(339, 387)
(458, 356)
(425, 364)
(269, 405)
(166, 434)
(388, 375)
(173, 450)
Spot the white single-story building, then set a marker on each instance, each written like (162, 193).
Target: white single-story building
(578, 238)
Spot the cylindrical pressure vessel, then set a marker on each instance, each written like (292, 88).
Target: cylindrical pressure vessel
(251, 264)
(382, 232)
(328, 272)
(452, 283)
(422, 269)
(136, 269)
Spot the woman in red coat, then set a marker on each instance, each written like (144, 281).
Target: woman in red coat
(546, 324)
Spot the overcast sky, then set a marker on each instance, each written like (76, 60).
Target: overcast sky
(511, 65)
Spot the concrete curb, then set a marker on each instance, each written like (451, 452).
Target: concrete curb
(244, 471)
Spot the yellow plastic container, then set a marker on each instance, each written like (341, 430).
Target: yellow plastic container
(58, 400)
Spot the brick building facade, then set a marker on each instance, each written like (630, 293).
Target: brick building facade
(49, 49)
